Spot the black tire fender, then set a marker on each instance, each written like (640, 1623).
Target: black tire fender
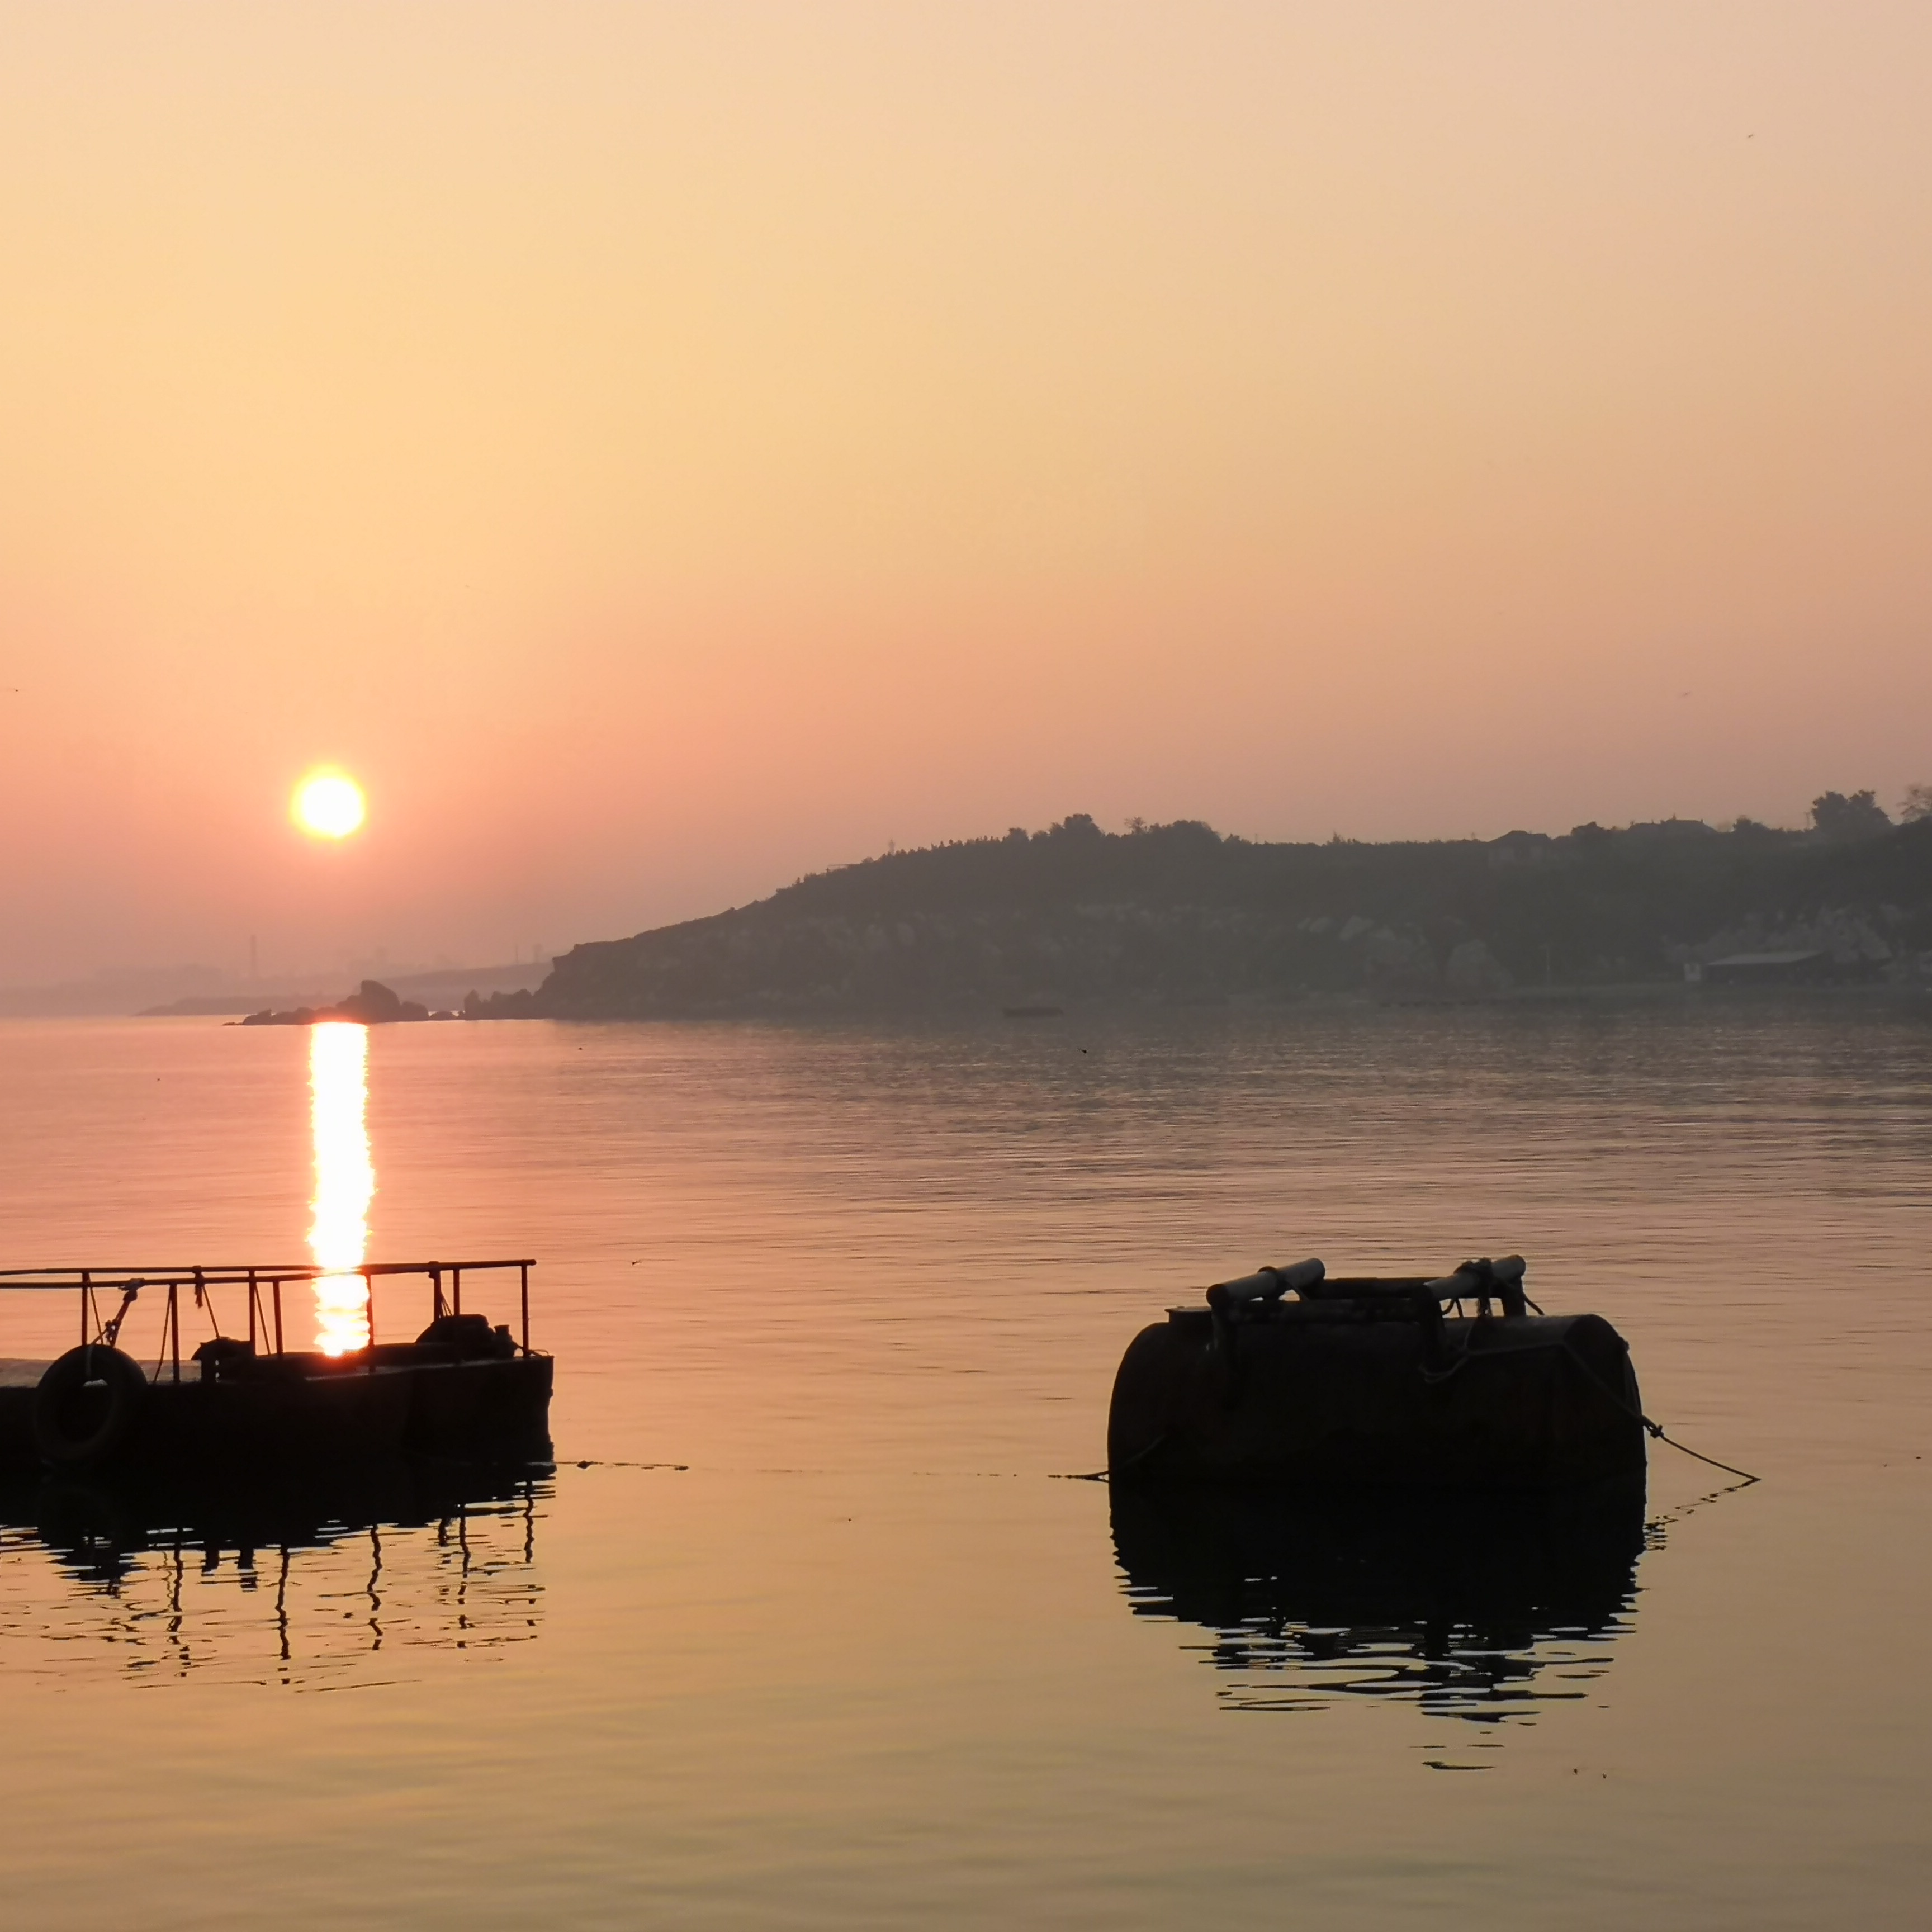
(87, 1406)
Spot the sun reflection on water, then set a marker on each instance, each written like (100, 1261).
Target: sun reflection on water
(345, 1181)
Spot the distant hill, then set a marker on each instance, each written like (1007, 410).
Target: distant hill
(1181, 913)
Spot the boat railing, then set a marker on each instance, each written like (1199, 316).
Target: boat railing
(261, 1286)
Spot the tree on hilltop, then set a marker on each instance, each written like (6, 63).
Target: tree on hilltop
(1842, 819)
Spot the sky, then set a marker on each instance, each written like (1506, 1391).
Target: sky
(661, 450)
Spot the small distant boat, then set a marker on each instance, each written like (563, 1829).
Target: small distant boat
(463, 1390)
(1290, 1376)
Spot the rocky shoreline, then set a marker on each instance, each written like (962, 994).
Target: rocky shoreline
(371, 1004)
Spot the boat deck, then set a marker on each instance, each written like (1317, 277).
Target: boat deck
(462, 1389)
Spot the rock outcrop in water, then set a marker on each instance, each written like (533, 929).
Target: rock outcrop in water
(371, 1004)
(1180, 914)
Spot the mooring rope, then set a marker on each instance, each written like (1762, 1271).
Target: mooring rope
(1655, 1429)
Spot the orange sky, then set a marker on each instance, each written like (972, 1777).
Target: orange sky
(664, 449)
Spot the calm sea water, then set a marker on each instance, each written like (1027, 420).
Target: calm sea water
(822, 1635)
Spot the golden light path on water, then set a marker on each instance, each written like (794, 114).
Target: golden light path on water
(345, 1182)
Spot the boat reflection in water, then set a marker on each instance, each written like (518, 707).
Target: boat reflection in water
(313, 1584)
(1486, 1608)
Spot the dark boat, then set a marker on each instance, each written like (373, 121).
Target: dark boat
(463, 1390)
(1291, 1377)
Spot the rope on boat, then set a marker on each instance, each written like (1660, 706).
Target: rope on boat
(604, 1462)
(1655, 1429)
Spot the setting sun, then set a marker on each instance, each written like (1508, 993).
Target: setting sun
(328, 805)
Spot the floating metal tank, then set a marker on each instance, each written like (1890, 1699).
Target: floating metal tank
(1289, 1376)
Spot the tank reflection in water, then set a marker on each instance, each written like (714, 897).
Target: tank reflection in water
(1484, 1608)
(321, 1586)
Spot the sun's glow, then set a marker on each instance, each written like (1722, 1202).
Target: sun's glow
(329, 805)
(345, 1182)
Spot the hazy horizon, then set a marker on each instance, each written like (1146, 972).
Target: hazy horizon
(187, 976)
(661, 452)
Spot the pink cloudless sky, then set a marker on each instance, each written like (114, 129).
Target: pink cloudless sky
(661, 449)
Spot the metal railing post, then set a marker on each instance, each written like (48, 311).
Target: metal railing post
(524, 1297)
